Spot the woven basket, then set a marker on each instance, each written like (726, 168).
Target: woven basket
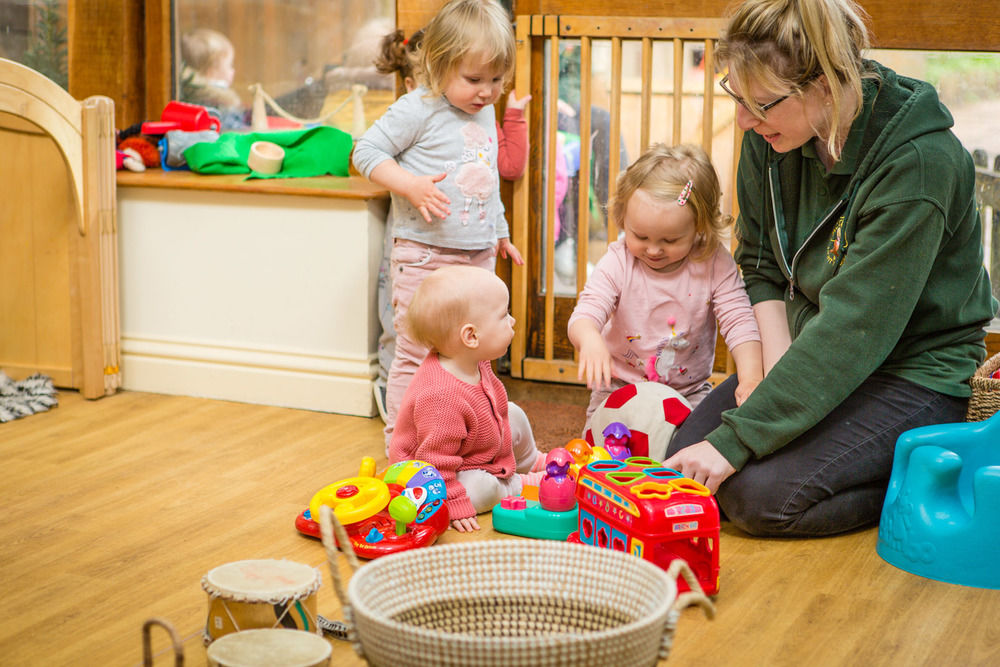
(985, 400)
(509, 603)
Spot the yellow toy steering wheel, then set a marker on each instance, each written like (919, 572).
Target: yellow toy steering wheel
(353, 499)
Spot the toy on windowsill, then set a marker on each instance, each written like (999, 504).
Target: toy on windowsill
(129, 159)
(553, 516)
(185, 116)
(132, 141)
(403, 508)
(640, 507)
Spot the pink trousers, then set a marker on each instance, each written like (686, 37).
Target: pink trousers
(409, 263)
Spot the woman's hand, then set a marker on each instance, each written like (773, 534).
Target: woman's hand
(744, 389)
(703, 463)
(506, 249)
(749, 368)
(466, 525)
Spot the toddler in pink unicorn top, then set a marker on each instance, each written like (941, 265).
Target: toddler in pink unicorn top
(648, 312)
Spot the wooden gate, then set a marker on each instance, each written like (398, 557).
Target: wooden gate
(59, 253)
(647, 80)
(988, 197)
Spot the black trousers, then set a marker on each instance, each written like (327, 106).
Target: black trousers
(833, 477)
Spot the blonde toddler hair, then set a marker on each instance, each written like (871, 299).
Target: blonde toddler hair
(784, 45)
(663, 172)
(441, 304)
(462, 28)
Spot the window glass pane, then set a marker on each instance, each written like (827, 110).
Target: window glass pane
(309, 57)
(969, 85)
(33, 32)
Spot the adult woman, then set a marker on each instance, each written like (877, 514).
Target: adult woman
(860, 247)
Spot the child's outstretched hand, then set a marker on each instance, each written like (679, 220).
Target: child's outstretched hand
(465, 525)
(514, 103)
(506, 250)
(595, 363)
(426, 198)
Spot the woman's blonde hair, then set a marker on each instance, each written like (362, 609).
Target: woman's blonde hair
(663, 173)
(466, 27)
(785, 45)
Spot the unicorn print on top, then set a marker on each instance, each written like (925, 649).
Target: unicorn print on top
(661, 364)
(427, 135)
(477, 177)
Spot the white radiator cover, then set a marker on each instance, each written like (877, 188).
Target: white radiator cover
(258, 298)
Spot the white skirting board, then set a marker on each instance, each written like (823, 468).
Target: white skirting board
(256, 298)
(308, 382)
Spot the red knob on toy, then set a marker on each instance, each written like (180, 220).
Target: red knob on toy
(347, 491)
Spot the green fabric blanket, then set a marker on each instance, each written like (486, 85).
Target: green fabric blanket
(313, 152)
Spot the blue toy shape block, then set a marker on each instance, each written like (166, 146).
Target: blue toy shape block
(941, 517)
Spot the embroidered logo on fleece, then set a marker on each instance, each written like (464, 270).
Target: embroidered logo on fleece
(836, 249)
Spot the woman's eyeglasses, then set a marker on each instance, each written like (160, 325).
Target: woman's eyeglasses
(739, 100)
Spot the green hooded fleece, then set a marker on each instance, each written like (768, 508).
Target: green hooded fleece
(879, 263)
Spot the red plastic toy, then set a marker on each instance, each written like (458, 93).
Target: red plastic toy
(652, 512)
(403, 508)
(181, 116)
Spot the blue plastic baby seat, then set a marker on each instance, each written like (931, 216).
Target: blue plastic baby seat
(941, 517)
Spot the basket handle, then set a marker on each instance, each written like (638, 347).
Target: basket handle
(695, 596)
(147, 644)
(329, 524)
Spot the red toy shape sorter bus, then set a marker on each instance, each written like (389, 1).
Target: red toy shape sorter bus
(652, 512)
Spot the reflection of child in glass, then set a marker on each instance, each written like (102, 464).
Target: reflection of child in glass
(399, 55)
(455, 413)
(649, 310)
(207, 74)
(435, 149)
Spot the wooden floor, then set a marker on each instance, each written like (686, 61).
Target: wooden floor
(112, 511)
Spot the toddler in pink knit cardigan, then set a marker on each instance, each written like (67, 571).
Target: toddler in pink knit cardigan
(455, 414)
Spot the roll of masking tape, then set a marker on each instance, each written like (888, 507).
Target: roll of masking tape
(265, 157)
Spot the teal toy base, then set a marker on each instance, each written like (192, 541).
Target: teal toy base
(941, 517)
(536, 521)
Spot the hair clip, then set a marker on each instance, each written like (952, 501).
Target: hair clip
(682, 198)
